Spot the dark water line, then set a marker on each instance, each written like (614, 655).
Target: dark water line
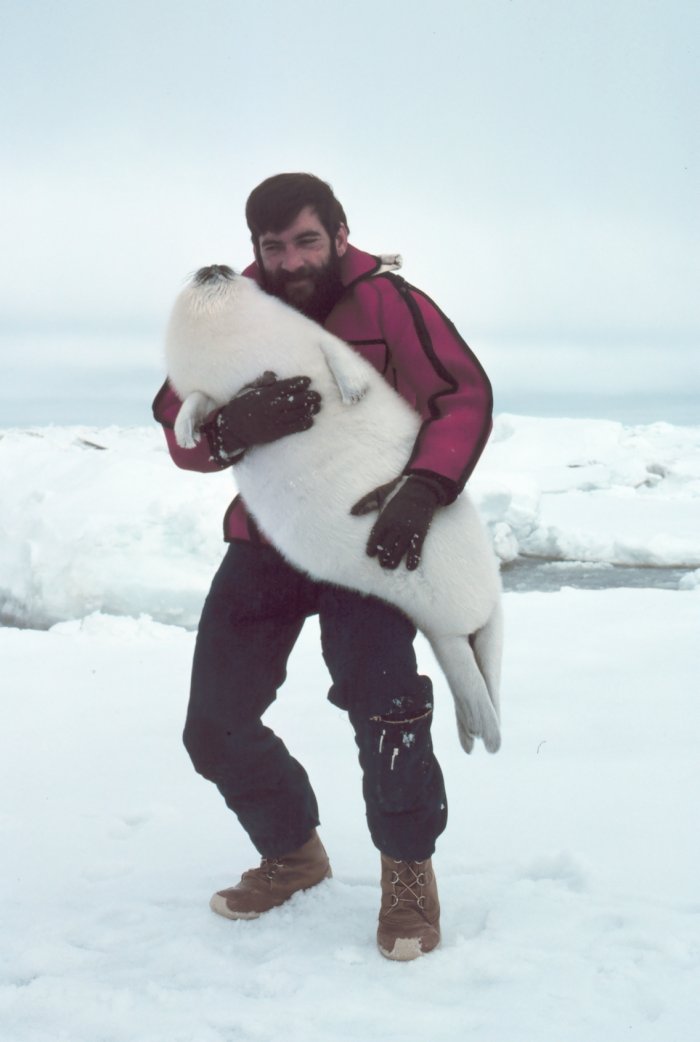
(525, 575)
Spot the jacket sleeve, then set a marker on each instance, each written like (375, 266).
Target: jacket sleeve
(442, 377)
(166, 406)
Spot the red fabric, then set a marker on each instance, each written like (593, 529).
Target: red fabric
(417, 349)
(166, 406)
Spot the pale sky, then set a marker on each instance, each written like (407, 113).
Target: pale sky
(535, 162)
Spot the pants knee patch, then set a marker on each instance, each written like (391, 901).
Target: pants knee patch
(398, 762)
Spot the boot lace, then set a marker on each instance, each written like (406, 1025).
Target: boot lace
(267, 869)
(408, 881)
(270, 866)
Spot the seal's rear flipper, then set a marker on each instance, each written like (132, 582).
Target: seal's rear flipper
(476, 707)
(347, 368)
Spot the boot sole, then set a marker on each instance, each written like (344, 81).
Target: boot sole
(407, 948)
(220, 905)
(404, 950)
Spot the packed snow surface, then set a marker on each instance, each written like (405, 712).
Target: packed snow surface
(101, 520)
(569, 870)
(568, 873)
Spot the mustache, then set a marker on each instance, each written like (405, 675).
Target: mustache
(283, 277)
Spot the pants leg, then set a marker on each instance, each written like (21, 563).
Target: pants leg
(251, 619)
(368, 647)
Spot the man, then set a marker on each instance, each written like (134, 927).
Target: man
(258, 603)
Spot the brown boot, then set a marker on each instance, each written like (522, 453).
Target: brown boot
(274, 882)
(409, 918)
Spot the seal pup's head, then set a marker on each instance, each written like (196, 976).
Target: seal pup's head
(214, 273)
(210, 287)
(208, 293)
(214, 328)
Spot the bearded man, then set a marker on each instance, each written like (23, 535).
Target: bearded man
(258, 603)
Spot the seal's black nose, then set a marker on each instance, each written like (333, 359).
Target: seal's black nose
(214, 273)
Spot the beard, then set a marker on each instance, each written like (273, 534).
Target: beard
(313, 291)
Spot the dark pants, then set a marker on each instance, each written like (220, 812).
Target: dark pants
(251, 619)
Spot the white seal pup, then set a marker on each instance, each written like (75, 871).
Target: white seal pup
(224, 333)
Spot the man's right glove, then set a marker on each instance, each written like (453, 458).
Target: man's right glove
(269, 410)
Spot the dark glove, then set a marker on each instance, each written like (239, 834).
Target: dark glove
(403, 523)
(271, 409)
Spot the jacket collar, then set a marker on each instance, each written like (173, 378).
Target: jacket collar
(354, 264)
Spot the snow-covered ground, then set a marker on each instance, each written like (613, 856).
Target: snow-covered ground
(569, 870)
(100, 519)
(568, 873)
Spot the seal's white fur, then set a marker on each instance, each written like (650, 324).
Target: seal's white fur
(222, 336)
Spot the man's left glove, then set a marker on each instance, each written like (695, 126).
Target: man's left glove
(403, 523)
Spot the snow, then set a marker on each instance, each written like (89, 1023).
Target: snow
(593, 491)
(569, 870)
(99, 519)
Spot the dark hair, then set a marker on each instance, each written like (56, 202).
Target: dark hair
(275, 203)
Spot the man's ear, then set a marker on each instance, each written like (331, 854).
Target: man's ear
(341, 240)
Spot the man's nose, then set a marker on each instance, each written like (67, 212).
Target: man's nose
(292, 260)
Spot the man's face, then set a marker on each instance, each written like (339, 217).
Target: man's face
(300, 263)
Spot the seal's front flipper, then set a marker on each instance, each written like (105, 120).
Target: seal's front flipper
(348, 369)
(194, 410)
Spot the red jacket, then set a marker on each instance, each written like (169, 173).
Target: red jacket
(416, 348)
